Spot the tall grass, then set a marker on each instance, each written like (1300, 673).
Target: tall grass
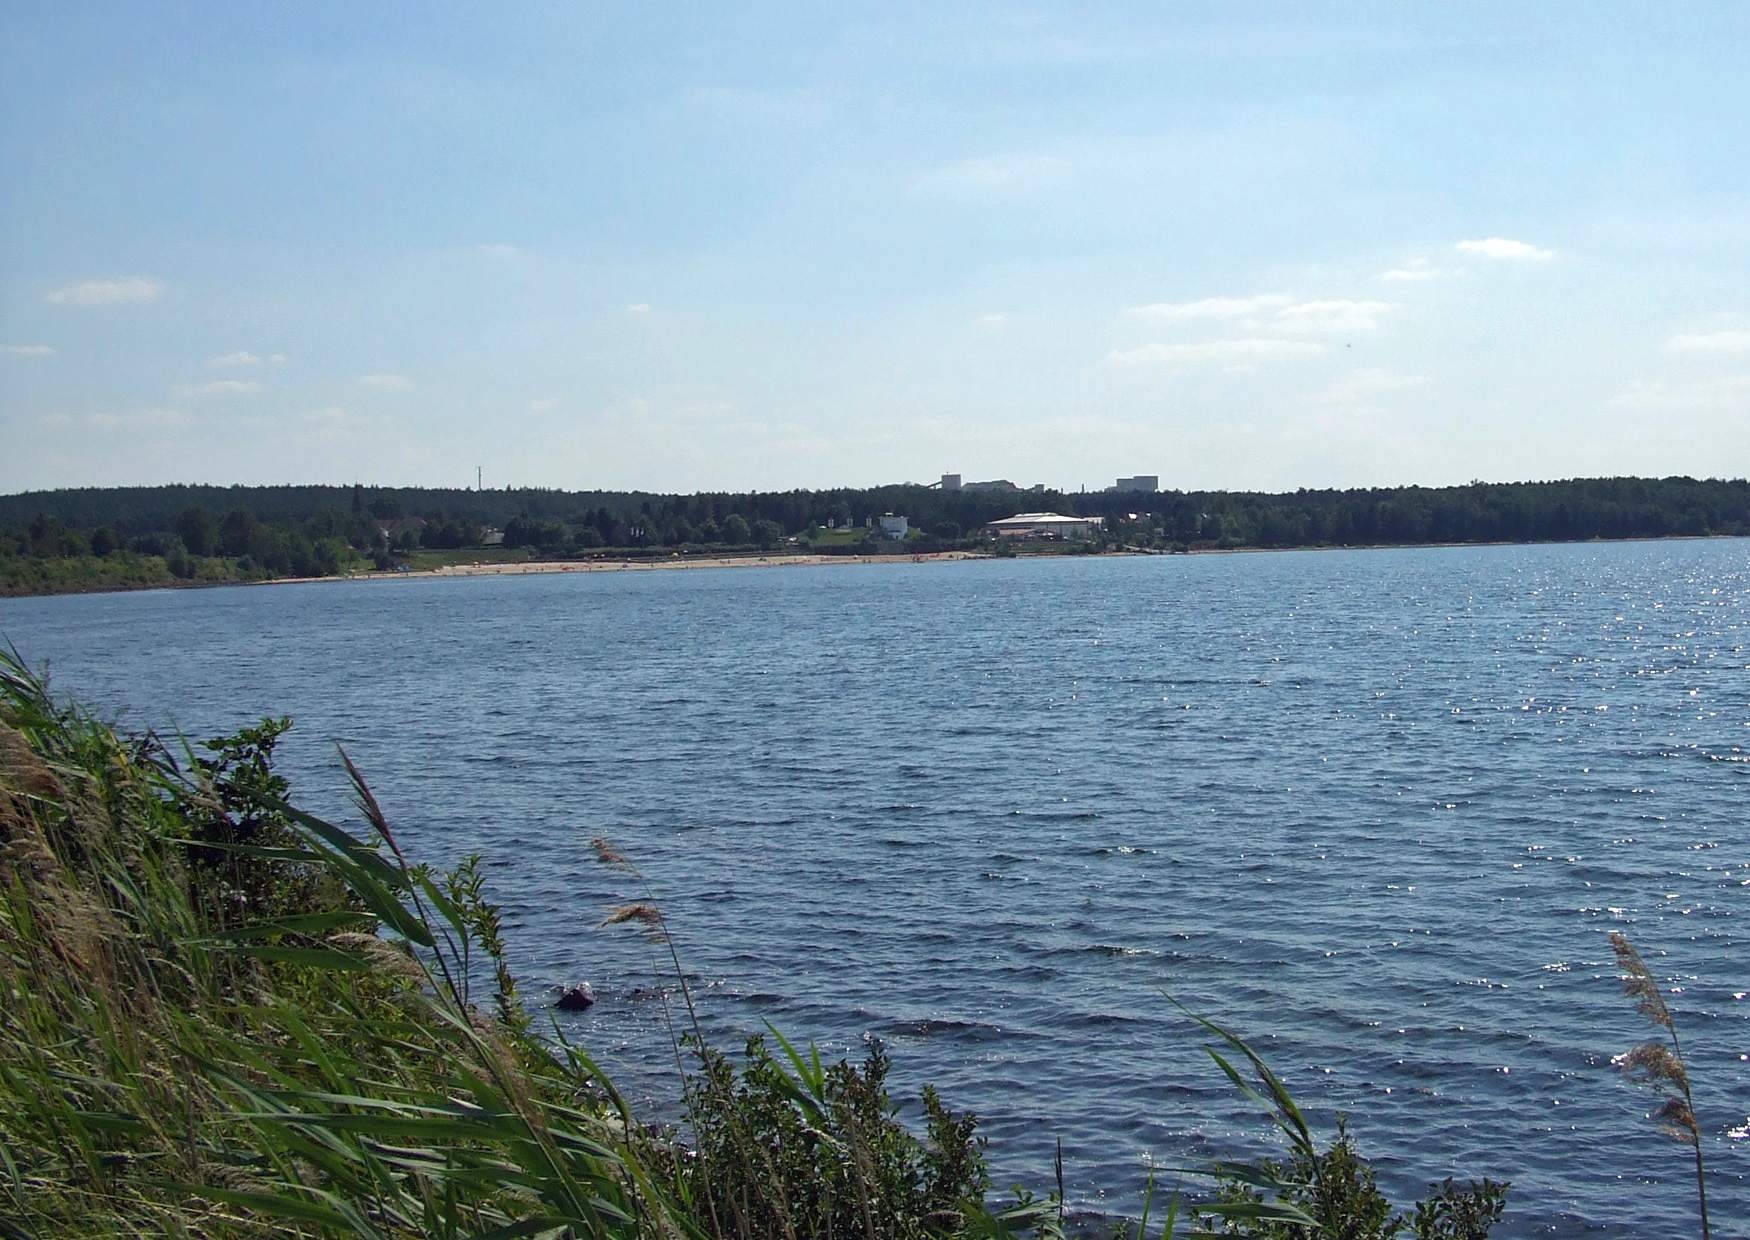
(221, 1015)
(171, 1062)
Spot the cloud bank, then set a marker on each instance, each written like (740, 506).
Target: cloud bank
(1505, 249)
(113, 292)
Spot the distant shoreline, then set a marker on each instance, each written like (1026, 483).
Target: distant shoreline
(620, 565)
(810, 559)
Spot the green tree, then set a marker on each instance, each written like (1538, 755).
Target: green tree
(200, 536)
(236, 532)
(735, 529)
(178, 560)
(327, 553)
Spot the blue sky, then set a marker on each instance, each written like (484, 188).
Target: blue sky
(764, 247)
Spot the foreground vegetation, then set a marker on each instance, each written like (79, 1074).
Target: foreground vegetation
(224, 1016)
(123, 537)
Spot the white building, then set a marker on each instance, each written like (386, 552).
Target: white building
(1046, 525)
(894, 527)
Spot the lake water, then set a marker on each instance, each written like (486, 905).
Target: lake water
(1375, 810)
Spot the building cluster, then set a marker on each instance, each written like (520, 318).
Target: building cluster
(1026, 524)
(952, 482)
(1143, 483)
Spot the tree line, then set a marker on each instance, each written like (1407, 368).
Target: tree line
(102, 537)
(1573, 510)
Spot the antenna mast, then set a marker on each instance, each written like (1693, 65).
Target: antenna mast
(477, 485)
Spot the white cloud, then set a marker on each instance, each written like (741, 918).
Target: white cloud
(1416, 269)
(496, 250)
(994, 174)
(1360, 387)
(638, 308)
(1710, 342)
(1505, 248)
(27, 350)
(112, 292)
(242, 357)
(328, 415)
(1268, 313)
(1334, 317)
(142, 419)
(1213, 308)
(1731, 392)
(1251, 351)
(991, 322)
(544, 404)
(55, 421)
(221, 387)
(385, 382)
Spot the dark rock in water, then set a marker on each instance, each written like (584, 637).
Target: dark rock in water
(575, 998)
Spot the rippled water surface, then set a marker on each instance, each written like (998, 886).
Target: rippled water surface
(1376, 810)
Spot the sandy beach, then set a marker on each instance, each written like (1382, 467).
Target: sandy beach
(634, 566)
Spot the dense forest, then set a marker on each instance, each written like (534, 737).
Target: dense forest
(116, 537)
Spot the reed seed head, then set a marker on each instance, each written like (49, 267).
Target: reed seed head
(646, 915)
(607, 854)
(1677, 1121)
(1638, 983)
(1653, 1063)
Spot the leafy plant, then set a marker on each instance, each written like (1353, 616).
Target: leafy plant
(798, 1148)
(1328, 1193)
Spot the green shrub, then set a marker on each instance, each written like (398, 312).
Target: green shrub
(822, 1152)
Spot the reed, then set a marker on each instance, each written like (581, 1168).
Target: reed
(1660, 1066)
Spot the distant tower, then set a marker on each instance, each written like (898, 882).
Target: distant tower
(950, 482)
(478, 475)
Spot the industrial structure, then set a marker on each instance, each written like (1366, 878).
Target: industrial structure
(953, 482)
(1046, 525)
(1144, 483)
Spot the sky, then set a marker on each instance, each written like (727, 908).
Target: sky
(725, 247)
